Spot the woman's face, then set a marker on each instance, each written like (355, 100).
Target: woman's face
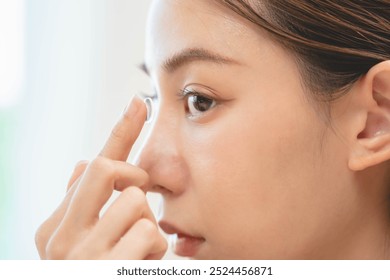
(246, 166)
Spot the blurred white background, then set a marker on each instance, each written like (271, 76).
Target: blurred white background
(67, 70)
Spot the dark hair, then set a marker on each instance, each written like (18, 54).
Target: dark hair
(335, 42)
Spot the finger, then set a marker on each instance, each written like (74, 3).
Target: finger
(78, 170)
(141, 241)
(46, 230)
(125, 132)
(96, 187)
(127, 209)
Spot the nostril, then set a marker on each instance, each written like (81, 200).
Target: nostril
(159, 189)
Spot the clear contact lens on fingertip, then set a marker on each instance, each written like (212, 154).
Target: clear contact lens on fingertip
(149, 109)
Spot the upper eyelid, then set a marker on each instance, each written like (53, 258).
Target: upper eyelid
(184, 94)
(188, 91)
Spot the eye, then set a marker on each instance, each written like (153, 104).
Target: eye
(197, 103)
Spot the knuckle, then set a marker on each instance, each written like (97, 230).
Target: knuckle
(56, 249)
(41, 238)
(81, 164)
(78, 171)
(43, 235)
(102, 165)
(98, 163)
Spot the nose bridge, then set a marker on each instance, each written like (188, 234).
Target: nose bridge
(160, 157)
(162, 137)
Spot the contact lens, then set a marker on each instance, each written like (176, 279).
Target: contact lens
(149, 107)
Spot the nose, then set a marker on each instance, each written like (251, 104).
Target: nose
(162, 157)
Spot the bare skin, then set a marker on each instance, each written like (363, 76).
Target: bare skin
(246, 165)
(128, 229)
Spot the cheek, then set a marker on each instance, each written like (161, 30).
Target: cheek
(251, 172)
(252, 151)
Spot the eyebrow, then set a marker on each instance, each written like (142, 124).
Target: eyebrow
(188, 56)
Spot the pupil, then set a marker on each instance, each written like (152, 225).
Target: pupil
(202, 103)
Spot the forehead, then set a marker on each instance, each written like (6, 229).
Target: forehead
(174, 25)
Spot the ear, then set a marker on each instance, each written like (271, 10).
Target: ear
(371, 145)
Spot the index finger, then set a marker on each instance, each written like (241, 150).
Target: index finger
(125, 132)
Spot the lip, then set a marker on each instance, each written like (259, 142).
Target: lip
(185, 244)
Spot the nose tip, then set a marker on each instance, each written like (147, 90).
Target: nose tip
(166, 176)
(166, 167)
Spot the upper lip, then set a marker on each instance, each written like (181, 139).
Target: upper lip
(168, 228)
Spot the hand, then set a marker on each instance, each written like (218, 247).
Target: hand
(128, 229)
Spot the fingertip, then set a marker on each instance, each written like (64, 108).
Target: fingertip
(126, 131)
(142, 107)
(139, 179)
(144, 177)
(136, 106)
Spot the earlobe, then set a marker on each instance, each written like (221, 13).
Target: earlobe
(372, 144)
